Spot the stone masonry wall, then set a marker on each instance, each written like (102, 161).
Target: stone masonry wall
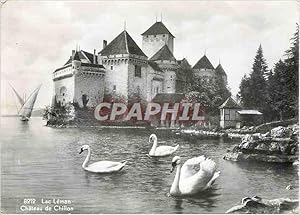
(116, 76)
(206, 74)
(91, 85)
(169, 81)
(137, 85)
(154, 83)
(64, 90)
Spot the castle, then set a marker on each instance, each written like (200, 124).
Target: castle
(122, 68)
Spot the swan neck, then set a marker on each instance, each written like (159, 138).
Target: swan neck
(87, 159)
(154, 146)
(175, 186)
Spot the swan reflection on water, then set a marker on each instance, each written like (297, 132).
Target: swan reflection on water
(205, 200)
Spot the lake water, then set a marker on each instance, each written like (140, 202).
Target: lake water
(43, 163)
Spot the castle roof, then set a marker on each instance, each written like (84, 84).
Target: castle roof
(203, 63)
(230, 103)
(154, 66)
(122, 44)
(185, 71)
(168, 97)
(157, 28)
(184, 63)
(163, 54)
(220, 70)
(69, 61)
(82, 56)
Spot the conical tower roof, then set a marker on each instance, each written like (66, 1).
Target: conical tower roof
(163, 54)
(157, 28)
(220, 70)
(203, 63)
(122, 44)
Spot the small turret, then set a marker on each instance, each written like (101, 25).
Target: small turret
(221, 72)
(76, 63)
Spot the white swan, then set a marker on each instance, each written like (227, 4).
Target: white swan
(160, 151)
(195, 175)
(100, 166)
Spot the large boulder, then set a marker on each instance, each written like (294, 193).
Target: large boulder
(281, 132)
(258, 205)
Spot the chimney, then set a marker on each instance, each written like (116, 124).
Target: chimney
(104, 44)
(94, 57)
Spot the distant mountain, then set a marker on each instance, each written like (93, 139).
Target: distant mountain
(37, 112)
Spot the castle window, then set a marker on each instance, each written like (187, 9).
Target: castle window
(114, 87)
(154, 35)
(111, 67)
(137, 71)
(164, 35)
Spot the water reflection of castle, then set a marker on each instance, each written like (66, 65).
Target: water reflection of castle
(123, 69)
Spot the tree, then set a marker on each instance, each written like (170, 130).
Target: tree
(244, 94)
(283, 84)
(211, 94)
(277, 89)
(253, 90)
(292, 75)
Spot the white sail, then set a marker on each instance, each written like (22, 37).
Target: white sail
(26, 110)
(21, 101)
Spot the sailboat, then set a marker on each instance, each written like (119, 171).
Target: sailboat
(20, 99)
(27, 105)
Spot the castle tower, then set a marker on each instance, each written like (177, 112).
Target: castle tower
(80, 80)
(168, 64)
(76, 63)
(221, 72)
(204, 69)
(155, 38)
(125, 65)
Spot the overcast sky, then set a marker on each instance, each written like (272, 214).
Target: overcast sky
(38, 36)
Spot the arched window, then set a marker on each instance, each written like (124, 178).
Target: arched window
(63, 91)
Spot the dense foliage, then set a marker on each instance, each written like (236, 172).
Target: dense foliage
(211, 94)
(274, 92)
(59, 115)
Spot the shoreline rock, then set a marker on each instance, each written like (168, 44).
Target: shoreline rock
(258, 205)
(238, 156)
(279, 145)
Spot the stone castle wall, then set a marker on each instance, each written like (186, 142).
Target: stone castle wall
(155, 81)
(169, 81)
(91, 85)
(137, 85)
(152, 43)
(116, 77)
(64, 89)
(205, 74)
